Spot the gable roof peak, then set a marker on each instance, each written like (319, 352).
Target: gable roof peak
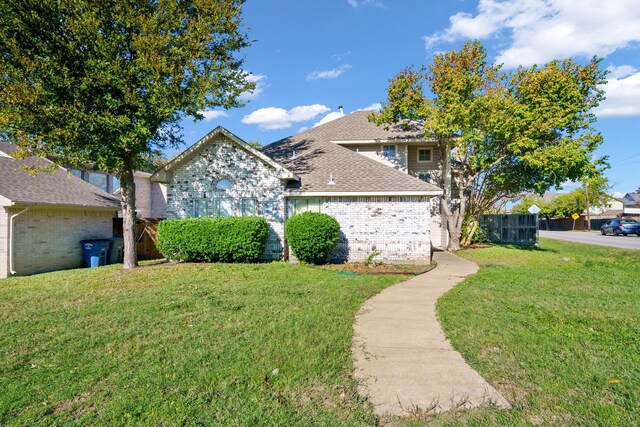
(161, 175)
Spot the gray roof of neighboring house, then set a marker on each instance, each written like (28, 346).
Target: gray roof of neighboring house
(317, 159)
(631, 199)
(357, 127)
(45, 188)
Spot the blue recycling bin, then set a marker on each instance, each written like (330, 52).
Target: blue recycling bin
(94, 252)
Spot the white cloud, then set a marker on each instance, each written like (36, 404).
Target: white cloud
(621, 71)
(357, 3)
(373, 107)
(213, 114)
(618, 195)
(543, 30)
(271, 118)
(329, 74)
(622, 92)
(259, 80)
(328, 118)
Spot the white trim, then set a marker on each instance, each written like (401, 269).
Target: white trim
(418, 155)
(379, 141)
(363, 193)
(5, 202)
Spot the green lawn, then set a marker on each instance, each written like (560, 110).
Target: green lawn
(556, 330)
(264, 344)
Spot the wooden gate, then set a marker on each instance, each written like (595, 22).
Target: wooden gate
(146, 232)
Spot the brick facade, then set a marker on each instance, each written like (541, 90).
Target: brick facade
(48, 238)
(398, 227)
(196, 179)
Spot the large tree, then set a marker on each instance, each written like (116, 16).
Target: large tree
(500, 134)
(107, 81)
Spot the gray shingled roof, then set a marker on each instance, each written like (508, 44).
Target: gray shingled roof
(57, 188)
(317, 159)
(357, 127)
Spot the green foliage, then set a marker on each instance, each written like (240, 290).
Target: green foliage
(566, 204)
(235, 239)
(371, 258)
(107, 83)
(522, 207)
(501, 133)
(313, 236)
(207, 344)
(91, 82)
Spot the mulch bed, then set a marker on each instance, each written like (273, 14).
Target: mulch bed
(361, 268)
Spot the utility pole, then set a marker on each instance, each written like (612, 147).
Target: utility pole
(586, 193)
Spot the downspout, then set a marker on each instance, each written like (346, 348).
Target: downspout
(11, 227)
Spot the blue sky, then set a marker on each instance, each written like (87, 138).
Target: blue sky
(309, 57)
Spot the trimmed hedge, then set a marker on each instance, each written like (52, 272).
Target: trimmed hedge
(313, 236)
(235, 239)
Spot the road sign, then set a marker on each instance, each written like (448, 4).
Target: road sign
(575, 216)
(534, 209)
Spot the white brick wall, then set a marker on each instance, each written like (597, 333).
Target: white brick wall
(4, 243)
(252, 178)
(48, 239)
(398, 227)
(143, 196)
(158, 200)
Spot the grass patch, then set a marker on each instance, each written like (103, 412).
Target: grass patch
(556, 330)
(187, 344)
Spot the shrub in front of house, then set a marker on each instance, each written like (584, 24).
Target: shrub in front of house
(312, 236)
(235, 239)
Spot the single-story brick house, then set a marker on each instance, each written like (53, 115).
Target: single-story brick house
(379, 208)
(43, 217)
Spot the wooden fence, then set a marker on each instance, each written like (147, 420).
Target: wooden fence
(519, 229)
(146, 231)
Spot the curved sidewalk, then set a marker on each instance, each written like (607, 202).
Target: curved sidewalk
(401, 355)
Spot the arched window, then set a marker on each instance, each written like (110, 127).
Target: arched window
(224, 184)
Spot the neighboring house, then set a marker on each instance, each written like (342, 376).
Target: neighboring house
(631, 203)
(151, 197)
(44, 217)
(612, 208)
(378, 207)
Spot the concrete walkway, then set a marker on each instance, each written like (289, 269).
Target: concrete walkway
(401, 354)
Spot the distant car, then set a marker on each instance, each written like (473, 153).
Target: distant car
(621, 226)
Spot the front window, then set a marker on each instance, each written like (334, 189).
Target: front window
(248, 207)
(424, 155)
(99, 180)
(300, 205)
(199, 208)
(224, 184)
(388, 151)
(223, 207)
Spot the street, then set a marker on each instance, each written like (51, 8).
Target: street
(593, 238)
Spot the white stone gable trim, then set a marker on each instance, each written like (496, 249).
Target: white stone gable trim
(162, 175)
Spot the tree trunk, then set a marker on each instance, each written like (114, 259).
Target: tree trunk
(128, 201)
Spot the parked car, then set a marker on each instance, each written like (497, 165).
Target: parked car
(621, 226)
